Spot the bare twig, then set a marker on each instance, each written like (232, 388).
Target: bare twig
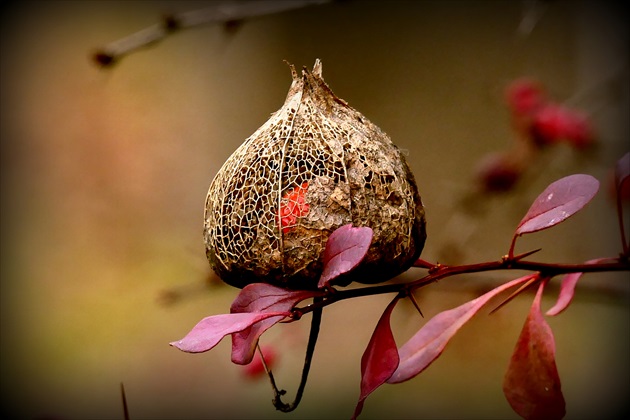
(226, 12)
(310, 350)
(124, 402)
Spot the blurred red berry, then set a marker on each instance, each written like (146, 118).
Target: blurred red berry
(580, 130)
(524, 97)
(498, 172)
(550, 124)
(255, 369)
(554, 123)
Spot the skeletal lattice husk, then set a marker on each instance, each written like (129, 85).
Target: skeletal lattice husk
(315, 165)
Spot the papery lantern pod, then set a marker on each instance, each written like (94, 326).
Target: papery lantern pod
(316, 165)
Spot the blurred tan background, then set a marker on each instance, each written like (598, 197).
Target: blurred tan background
(105, 171)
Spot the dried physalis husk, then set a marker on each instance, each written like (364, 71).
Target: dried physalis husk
(315, 165)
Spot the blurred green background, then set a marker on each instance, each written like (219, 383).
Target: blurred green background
(105, 171)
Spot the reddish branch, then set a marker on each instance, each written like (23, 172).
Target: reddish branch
(438, 272)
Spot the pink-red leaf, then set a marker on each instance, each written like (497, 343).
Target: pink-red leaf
(380, 358)
(429, 342)
(567, 289)
(209, 331)
(622, 170)
(558, 201)
(532, 384)
(345, 249)
(261, 298)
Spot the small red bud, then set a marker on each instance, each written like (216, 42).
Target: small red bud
(580, 131)
(554, 123)
(498, 172)
(550, 125)
(524, 97)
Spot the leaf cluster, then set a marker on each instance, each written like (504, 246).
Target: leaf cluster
(531, 384)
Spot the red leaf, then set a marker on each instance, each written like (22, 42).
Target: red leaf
(209, 331)
(567, 289)
(345, 249)
(532, 384)
(559, 201)
(261, 298)
(429, 342)
(622, 170)
(380, 358)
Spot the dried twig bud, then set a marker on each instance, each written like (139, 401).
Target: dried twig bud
(315, 165)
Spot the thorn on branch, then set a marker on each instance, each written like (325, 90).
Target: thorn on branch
(535, 279)
(415, 302)
(525, 255)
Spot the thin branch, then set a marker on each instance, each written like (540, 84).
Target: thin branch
(310, 350)
(420, 263)
(276, 392)
(442, 271)
(512, 245)
(221, 12)
(124, 402)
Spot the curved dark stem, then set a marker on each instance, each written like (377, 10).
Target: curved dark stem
(310, 349)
